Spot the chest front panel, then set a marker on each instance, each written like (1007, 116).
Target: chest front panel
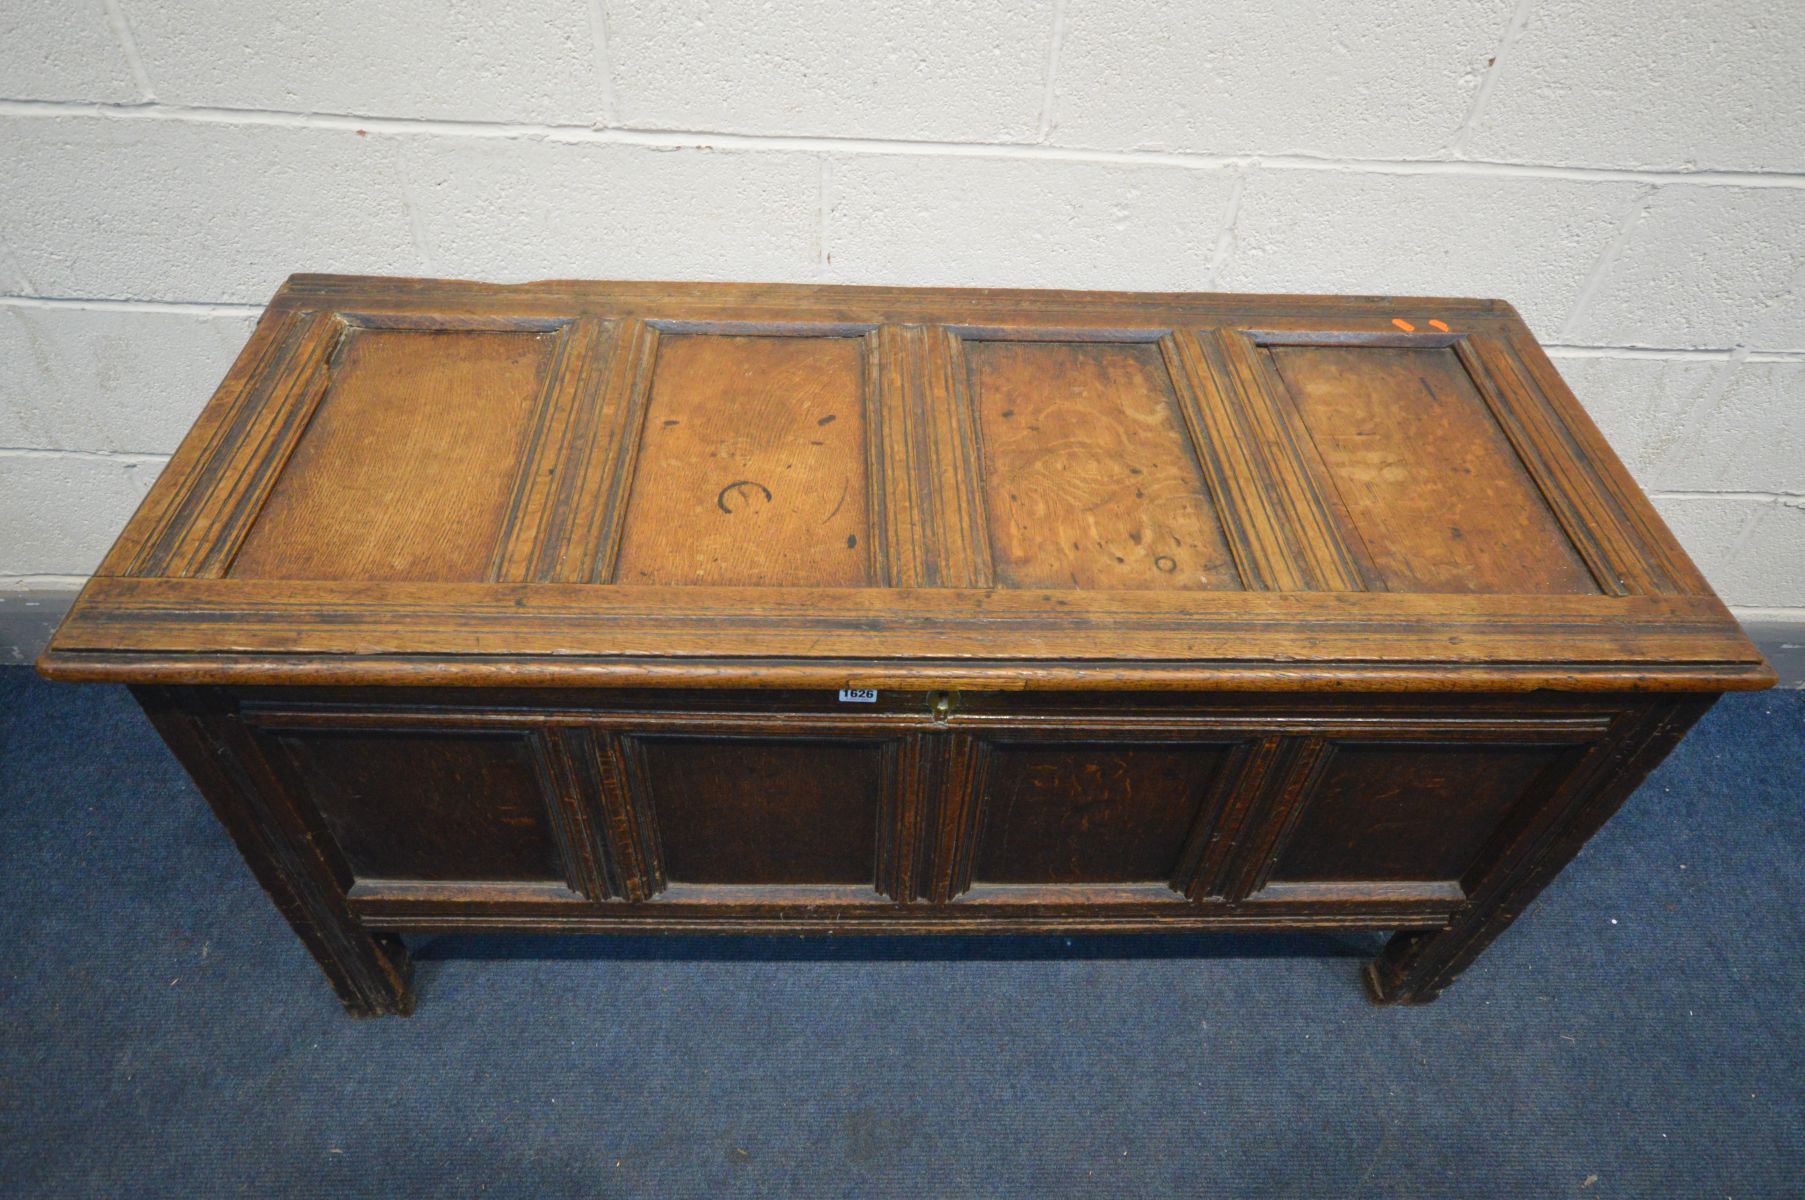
(762, 806)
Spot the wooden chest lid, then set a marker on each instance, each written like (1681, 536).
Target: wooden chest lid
(615, 484)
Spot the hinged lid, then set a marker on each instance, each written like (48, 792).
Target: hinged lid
(616, 484)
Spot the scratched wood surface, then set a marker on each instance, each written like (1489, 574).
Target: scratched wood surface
(403, 479)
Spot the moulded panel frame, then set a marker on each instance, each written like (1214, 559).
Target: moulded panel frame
(1595, 524)
(974, 746)
(1573, 743)
(1190, 439)
(895, 809)
(574, 809)
(1262, 791)
(632, 434)
(266, 408)
(599, 802)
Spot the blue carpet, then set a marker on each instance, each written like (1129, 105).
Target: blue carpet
(1639, 1033)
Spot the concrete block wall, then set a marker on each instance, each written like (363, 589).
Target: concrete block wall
(1630, 173)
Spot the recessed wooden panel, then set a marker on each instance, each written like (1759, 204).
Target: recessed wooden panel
(427, 805)
(1408, 812)
(1431, 483)
(766, 810)
(406, 469)
(1090, 813)
(752, 467)
(1089, 475)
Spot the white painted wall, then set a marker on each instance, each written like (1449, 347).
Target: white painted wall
(1630, 173)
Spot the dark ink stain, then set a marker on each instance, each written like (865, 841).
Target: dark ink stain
(852, 541)
(1166, 563)
(671, 422)
(744, 490)
(844, 485)
(1007, 413)
(1134, 470)
(827, 420)
(1134, 535)
(813, 442)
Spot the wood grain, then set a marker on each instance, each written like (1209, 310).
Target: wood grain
(925, 462)
(192, 523)
(406, 470)
(569, 635)
(1430, 481)
(1615, 544)
(905, 489)
(1408, 810)
(1089, 476)
(764, 811)
(1282, 526)
(1090, 813)
(752, 465)
(406, 804)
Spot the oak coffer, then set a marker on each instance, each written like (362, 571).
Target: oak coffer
(727, 608)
